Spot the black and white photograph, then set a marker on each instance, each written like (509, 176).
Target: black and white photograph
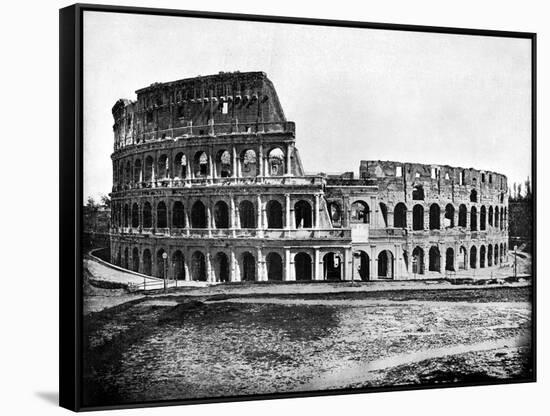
(281, 208)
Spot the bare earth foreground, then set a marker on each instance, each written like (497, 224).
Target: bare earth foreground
(193, 344)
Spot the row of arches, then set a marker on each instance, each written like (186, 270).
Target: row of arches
(245, 215)
(201, 164)
(437, 218)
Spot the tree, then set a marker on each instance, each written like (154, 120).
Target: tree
(105, 201)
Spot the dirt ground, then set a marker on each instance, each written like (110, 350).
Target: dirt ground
(178, 346)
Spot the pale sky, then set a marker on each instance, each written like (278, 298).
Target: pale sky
(355, 94)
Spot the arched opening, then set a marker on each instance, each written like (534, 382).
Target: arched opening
(501, 251)
(384, 212)
(221, 215)
(473, 196)
(462, 215)
(385, 265)
(501, 218)
(482, 218)
(473, 257)
(198, 215)
(332, 267)
(126, 262)
(496, 217)
(335, 214)
(463, 258)
(274, 214)
(198, 267)
(302, 266)
(128, 173)
(148, 176)
(147, 215)
(363, 267)
(400, 216)
(434, 260)
(135, 259)
(473, 219)
(137, 171)
(163, 167)
(274, 264)
(450, 260)
(482, 257)
(162, 264)
(489, 255)
(223, 164)
(418, 260)
(200, 163)
(178, 265)
(303, 214)
(248, 163)
(221, 268)
(360, 212)
(495, 252)
(490, 216)
(126, 215)
(248, 270)
(276, 161)
(178, 215)
(435, 217)
(162, 215)
(180, 166)
(418, 193)
(147, 263)
(449, 216)
(135, 215)
(247, 214)
(418, 217)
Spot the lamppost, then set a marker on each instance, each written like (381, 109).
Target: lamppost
(165, 257)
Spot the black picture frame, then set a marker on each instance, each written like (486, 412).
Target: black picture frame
(71, 192)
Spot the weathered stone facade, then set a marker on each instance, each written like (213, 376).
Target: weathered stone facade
(206, 170)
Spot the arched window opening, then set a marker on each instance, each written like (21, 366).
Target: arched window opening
(137, 171)
(303, 214)
(385, 265)
(126, 262)
(400, 216)
(418, 260)
(489, 255)
(147, 215)
(148, 177)
(418, 193)
(276, 160)
(178, 265)
(180, 166)
(135, 216)
(463, 258)
(482, 218)
(178, 215)
(462, 215)
(384, 212)
(223, 164)
(274, 267)
(248, 163)
(473, 257)
(302, 266)
(473, 195)
(418, 217)
(198, 267)
(496, 217)
(198, 215)
(221, 267)
(473, 219)
(450, 260)
(335, 214)
(247, 214)
(363, 265)
(495, 252)
(434, 260)
(482, 257)
(435, 217)
(162, 264)
(360, 212)
(147, 263)
(221, 215)
(490, 216)
(449, 216)
(332, 266)
(248, 271)
(274, 214)
(162, 215)
(201, 165)
(128, 173)
(135, 259)
(163, 167)
(501, 251)
(126, 215)
(501, 218)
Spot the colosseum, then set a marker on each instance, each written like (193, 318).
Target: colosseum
(208, 186)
